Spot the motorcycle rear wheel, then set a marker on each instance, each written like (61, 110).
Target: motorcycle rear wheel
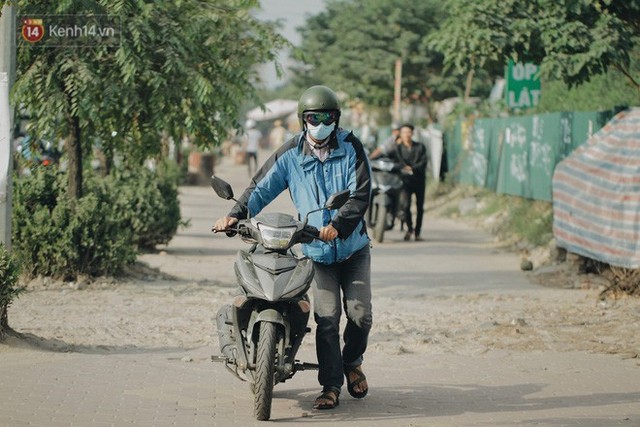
(265, 370)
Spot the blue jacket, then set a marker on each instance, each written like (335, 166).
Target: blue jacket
(310, 183)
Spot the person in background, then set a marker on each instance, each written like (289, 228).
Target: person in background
(395, 134)
(321, 160)
(277, 135)
(251, 144)
(412, 156)
(388, 145)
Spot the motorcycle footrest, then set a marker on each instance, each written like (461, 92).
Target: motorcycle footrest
(222, 359)
(306, 366)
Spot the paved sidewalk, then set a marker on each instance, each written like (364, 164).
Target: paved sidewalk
(156, 389)
(159, 387)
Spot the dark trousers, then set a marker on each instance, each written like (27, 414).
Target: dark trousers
(351, 279)
(418, 189)
(252, 157)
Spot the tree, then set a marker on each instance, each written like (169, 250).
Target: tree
(353, 45)
(177, 68)
(572, 40)
(602, 92)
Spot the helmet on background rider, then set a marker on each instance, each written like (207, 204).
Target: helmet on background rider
(322, 99)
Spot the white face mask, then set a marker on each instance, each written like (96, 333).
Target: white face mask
(320, 132)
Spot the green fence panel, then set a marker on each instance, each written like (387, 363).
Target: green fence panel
(496, 141)
(481, 151)
(513, 168)
(585, 124)
(517, 155)
(529, 154)
(453, 144)
(476, 148)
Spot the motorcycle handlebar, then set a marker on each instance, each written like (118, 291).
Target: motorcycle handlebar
(230, 232)
(308, 231)
(312, 231)
(309, 234)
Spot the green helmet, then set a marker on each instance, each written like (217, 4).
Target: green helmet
(317, 98)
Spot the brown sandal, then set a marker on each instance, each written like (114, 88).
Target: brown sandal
(357, 370)
(327, 400)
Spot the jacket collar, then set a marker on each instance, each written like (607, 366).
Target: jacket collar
(336, 147)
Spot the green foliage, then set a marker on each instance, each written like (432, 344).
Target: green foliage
(185, 68)
(472, 34)
(180, 68)
(147, 203)
(602, 92)
(353, 46)
(98, 233)
(9, 288)
(572, 40)
(56, 236)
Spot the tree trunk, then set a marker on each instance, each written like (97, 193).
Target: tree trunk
(467, 89)
(74, 156)
(4, 321)
(108, 160)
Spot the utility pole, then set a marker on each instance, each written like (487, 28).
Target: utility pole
(7, 73)
(397, 90)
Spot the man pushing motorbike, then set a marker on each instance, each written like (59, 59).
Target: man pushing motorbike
(321, 160)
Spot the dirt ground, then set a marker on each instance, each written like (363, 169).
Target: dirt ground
(151, 309)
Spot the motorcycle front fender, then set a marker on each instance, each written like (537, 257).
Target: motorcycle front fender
(383, 199)
(268, 315)
(272, 316)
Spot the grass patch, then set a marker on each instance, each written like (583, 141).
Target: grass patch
(512, 218)
(527, 219)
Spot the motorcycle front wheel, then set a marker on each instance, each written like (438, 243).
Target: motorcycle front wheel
(265, 370)
(381, 222)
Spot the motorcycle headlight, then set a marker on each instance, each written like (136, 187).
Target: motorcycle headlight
(383, 165)
(276, 238)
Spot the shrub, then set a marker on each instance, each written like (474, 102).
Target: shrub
(9, 290)
(148, 203)
(56, 236)
(98, 233)
(524, 218)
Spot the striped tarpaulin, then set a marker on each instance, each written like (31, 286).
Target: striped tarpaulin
(596, 195)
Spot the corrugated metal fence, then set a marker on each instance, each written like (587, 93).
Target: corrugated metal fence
(517, 155)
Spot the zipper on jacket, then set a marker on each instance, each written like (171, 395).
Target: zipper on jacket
(335, 251)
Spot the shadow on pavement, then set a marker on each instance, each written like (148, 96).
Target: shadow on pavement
(413, 402)
(34, 342)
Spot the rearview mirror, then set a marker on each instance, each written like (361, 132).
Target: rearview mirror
(337, 200)
(222, 188)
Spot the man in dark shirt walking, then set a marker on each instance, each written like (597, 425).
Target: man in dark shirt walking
(412, 156)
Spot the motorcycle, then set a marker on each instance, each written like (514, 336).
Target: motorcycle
(386, 192)
(262, 330)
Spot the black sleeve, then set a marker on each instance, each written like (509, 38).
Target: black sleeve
(421, 161)
(351, 214)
